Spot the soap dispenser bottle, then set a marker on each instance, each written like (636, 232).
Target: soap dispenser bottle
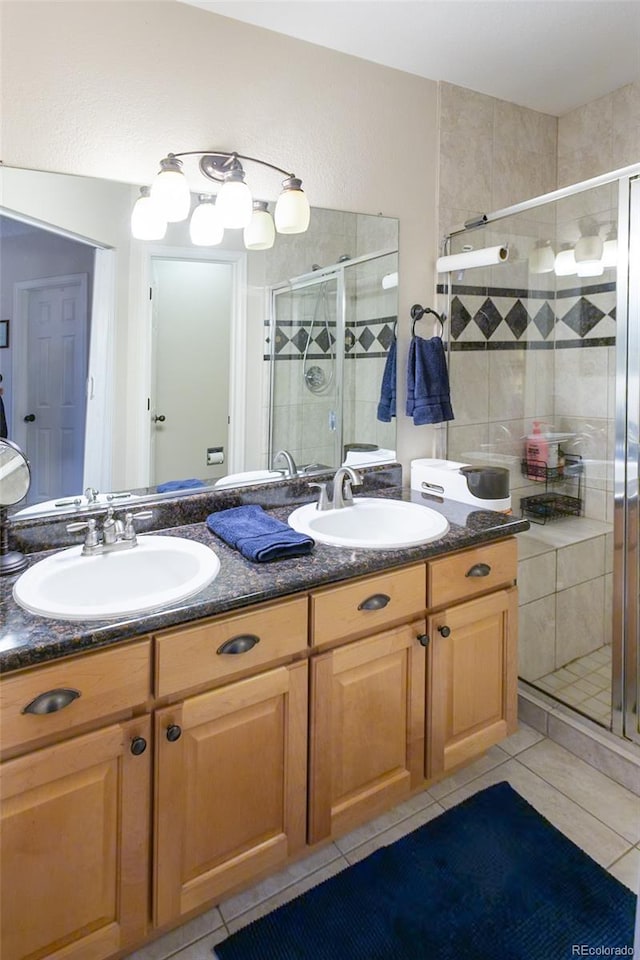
(537, 454)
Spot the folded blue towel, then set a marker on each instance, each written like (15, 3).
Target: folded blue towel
(179, 485)
(428, 397)
(387, 405)
(258, 536)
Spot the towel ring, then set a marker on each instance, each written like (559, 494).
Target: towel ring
(417, 313)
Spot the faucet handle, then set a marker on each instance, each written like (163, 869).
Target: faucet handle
(323, 498)
(129, 532)
(91, 540)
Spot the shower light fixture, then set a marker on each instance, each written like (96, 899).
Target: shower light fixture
(234, 207)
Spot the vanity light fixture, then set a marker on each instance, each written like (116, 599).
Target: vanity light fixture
(146, 221)
(542, 257)
(610, 250)
(234, 207)
(565, 263)
(588, 251)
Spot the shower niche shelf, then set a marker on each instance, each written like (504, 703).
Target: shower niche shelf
(554, 503)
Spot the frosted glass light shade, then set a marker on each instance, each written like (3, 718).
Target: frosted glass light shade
(235, 204)
(205, 228)
(170, 191)
(610, 253)
(588, 254)
(590, 268)
(260, 234)
(292, 213)
(541, 259)
(565, 264)
(146, 221)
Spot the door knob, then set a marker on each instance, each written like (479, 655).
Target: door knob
(30, 417)
(160, 419)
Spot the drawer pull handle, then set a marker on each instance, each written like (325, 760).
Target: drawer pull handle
(240, 644)
(51, 701)
(376, 602)
(138, 746)
(444, 630)
(423, 639)
(478, 570)
(174, 732)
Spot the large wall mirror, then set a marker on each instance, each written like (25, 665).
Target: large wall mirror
(126, 365)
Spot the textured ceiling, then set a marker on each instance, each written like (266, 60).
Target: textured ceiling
(550, 55)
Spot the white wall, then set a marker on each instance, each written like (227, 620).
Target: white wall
(106, 89)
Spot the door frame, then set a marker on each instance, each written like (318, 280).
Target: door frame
(21, 293)
(237, 350)
(98, 449)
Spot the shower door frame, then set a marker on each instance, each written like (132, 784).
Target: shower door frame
(625, 641)
(626, 561)
(315, 277)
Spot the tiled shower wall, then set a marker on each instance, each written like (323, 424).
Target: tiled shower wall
(492, 155)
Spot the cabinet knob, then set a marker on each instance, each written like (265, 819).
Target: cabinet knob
(240, 644)
(375, 602)
(51, 701)
(138, 746)
(444, 630)
(174, 732)
(478, 570)
(423, 639)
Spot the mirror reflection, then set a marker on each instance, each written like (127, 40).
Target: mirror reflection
(130, 365)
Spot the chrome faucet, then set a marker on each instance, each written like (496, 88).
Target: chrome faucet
(343, 481)
(91, 494)
(345, 478)
(116, 534)
(291, 470)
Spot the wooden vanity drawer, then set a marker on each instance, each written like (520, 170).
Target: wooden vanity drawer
(191, 656)
(467, 574)
(356, 609)
(90, 687)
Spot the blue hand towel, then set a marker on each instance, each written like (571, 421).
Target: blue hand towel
(428, 397)
(387, 405)
(258, 536)
(179, 485)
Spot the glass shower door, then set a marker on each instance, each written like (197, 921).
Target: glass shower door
(306, 346)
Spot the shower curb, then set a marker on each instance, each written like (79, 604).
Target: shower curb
(617, 759)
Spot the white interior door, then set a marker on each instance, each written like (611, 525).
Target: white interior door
(50, 409)
(189, 409)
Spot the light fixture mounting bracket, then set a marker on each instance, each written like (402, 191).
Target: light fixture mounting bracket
(214, 166)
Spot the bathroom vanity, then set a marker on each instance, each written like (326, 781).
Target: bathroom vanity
(201, 748)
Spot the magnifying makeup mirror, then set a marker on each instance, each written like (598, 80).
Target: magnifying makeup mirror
(15, 480)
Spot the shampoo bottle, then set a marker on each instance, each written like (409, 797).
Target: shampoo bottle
(538, 453)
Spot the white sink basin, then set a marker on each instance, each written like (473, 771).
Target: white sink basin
(158, 571)
(371, 524)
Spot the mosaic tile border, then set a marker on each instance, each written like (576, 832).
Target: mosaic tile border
(363, 338)
(511, 318)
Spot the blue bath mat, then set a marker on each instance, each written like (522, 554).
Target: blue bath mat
(489, 879)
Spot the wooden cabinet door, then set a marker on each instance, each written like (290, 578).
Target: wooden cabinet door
(367, 728)
(74, 846)
(231, 787)
(471, 679)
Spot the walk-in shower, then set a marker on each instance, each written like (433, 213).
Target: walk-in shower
(329, 336)
(553, 335)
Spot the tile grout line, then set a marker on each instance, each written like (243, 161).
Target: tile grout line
(577, 802)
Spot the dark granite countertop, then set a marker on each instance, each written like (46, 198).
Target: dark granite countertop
(26, 639)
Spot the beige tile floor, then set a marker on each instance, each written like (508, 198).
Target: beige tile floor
(598, 814)
(584, 683)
